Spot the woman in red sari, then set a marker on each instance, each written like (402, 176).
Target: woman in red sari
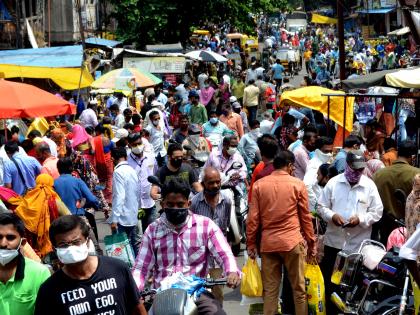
(102, 160)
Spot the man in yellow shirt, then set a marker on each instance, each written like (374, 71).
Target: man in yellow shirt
(251, 96)
(307, 56)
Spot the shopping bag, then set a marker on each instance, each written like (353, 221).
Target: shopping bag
(251, 284)
(118, 246)
(315, 289)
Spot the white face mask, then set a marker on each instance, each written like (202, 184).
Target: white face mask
(324, 157)
(155, 123)
(7, 255)
(231, 151)
(73, 254)
(138, 149)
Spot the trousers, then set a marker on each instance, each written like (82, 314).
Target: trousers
(271, 270)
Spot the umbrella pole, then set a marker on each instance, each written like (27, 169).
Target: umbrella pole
(344, 119)
(328, 117)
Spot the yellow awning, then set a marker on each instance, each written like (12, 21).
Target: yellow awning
(311, 97)
(321, 19)
(66, 78)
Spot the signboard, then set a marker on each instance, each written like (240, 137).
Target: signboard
(156, 64)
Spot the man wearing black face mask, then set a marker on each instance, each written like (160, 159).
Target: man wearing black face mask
(176, 169)
(214, 204)
(181, 241)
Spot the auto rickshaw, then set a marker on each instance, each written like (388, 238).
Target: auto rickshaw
(242, 39)
(197, 35)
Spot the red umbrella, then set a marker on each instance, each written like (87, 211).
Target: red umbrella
(20, 100)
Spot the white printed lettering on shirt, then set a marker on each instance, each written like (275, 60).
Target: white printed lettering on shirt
(104, 301)
(80, 308)
(73, 295)
(104, 285)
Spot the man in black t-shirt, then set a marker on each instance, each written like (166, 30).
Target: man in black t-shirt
(86, 284)
(176, 169)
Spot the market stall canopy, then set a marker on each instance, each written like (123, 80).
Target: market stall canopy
(400, 31)
(312, 97)
(206, 56)
(404, 78)
(20, 100)
(321, 19)
(101, 42)
(60, 64)
(126, 79)
(366, 81)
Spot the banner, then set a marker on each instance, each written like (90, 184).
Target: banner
(321, 19)
(156, 64)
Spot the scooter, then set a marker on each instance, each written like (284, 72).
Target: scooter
(176, 301)
(236, 232)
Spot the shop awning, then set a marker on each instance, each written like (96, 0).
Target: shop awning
(321, 19)
(376, 11)
(312, 97)
(404, 78)
(366, 81)
(400, 31)
(60, 64)
(101, 42)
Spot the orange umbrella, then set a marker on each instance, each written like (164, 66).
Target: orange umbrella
(20, 100)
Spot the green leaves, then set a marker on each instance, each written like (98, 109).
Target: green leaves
(167, 21)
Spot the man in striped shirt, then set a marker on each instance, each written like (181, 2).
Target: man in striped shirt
(216, 205)
(180, 241)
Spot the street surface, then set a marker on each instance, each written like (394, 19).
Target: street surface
(232, 297)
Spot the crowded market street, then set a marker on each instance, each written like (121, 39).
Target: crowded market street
(210, 158)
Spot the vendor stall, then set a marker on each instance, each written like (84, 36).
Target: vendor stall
(63, 65)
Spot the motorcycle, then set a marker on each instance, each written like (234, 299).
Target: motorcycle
(177, 300)
(370, 281)
(237, 232)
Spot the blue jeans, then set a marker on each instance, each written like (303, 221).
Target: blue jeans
(252, 113)
(131, 234)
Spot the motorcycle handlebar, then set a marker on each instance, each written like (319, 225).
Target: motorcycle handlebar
(213, 282)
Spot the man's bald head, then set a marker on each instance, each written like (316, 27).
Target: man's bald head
(211, 181)
(210, 172)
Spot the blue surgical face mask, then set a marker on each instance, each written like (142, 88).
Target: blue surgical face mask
(214, 120)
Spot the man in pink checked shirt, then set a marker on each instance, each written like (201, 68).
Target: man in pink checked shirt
(180, 241)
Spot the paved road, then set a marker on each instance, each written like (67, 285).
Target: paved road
(232, 297)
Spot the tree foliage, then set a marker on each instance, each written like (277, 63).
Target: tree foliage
(152, 21)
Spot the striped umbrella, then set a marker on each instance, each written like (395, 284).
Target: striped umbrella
(126, 79)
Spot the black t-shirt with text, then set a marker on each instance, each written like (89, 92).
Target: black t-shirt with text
(111, 290)
(184, 174)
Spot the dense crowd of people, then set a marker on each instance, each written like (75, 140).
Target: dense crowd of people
(216, 129)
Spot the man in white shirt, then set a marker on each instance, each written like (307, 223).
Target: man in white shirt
(125, 204)
(160, 97)
(410, 251)
(350, 204)
(322, 154)
(88, 117)
(144, 163)
(157, 137)
(121, 101)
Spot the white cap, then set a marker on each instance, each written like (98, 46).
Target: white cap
(232, 99)
(119, 134)
(157, 103)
